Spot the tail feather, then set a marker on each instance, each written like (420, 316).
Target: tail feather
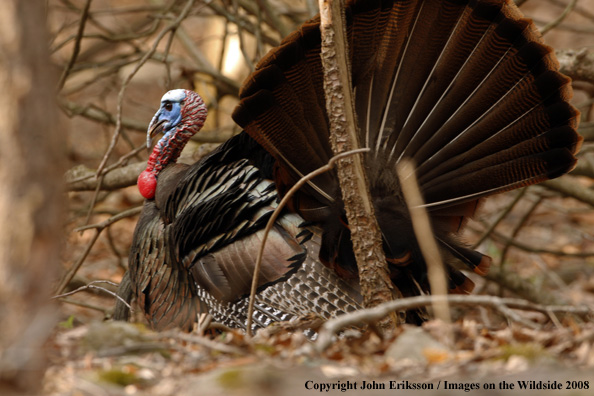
(454, 218)
(414, 72)
(375, 56)
(437, 99)
(286, 95)
(464, 88)
(479, 141)
(271, 115)
(504, 93)
(472, 182)
(459, 283)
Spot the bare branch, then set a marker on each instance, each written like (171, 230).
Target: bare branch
(245, 23)
(525, 217)
(171, 27)
(81, 178)
(91, 286)
(500, 218)
(577, 63)
(76, 50)
(98, 228)
(425, 237)
(498, 236)
(559, 19)
(503, 305)
(570, 188)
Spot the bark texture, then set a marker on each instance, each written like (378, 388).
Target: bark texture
(31, 203)
(374, 278)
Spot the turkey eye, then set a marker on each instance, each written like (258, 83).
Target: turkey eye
(168, 106)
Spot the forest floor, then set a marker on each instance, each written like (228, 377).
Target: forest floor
(482, 351)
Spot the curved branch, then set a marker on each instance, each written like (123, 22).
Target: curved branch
(503, 305)
(273, 218)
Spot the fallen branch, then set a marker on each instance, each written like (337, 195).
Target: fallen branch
(577, 64)
(205, 342)
(503, 305)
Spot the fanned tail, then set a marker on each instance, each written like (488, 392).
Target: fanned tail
(466, 89)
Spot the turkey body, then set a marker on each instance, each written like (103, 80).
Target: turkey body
(464, 88)
(195, 246)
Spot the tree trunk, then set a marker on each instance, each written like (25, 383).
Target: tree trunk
(374, 278)
(31, 203)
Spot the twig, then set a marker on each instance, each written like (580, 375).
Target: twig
(273, 218)
(242, 45)
(500, 218)
(500, 237)
(111, 220)
(515, 232)
(503, 305)
(84, 304)
(244, 22)
(114, 249)
(76, 50)
(426, 239)
(125, 38)
(95, 196)
(95, 114)
(559, 19)
(273, 18)
(223, 50)
(91, 285)
(205, 342)
(166, 61)
(128, 10)
(75, 267)
(521, 287)
(98, 228)
(580, 10)
(222, 82)
(257, 12)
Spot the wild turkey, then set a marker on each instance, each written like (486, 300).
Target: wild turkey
(466, 89)
(196, 242)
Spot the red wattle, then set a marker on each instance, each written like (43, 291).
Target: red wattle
(147, 184)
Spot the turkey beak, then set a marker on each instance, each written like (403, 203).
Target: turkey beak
(153, 130)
